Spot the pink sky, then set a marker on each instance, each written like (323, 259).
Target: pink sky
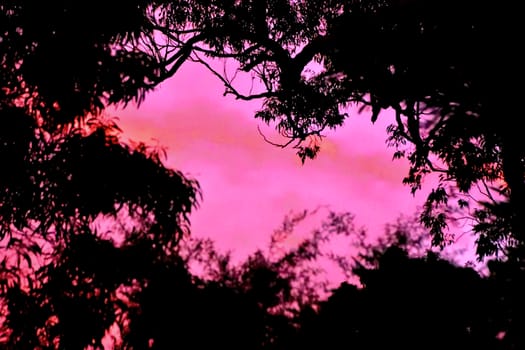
(249, 185)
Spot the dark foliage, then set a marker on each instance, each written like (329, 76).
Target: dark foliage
(441, 67)
(429, 62)
(152, 301)
(66, 175)
(58, 271)
(69, 58)
(409, 303)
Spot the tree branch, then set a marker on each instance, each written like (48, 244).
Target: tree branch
(230, 90)
(281, 145)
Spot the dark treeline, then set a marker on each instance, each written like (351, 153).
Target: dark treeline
(94, 231)
(404, 293)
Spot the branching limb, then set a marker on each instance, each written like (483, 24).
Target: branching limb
(281, 145)
(230, 89)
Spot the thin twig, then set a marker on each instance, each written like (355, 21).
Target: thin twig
(283, 145)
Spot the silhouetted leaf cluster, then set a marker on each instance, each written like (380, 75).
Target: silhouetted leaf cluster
(66, 59)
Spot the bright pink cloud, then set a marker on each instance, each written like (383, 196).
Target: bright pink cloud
(248, 184)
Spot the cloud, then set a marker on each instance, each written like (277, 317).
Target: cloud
(248, 184)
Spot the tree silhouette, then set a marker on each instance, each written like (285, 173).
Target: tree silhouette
(153, 301)
(52, 250)
(411, 303)
(67, 59)
(424, 60)
(147, 293)
(427, 61)
(67, 176)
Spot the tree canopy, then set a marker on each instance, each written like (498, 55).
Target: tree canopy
(441, 68)
(135, 297)
(78, 206)
(426, 61)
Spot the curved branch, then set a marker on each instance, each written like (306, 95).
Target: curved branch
(230, 90)
(281, 145)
